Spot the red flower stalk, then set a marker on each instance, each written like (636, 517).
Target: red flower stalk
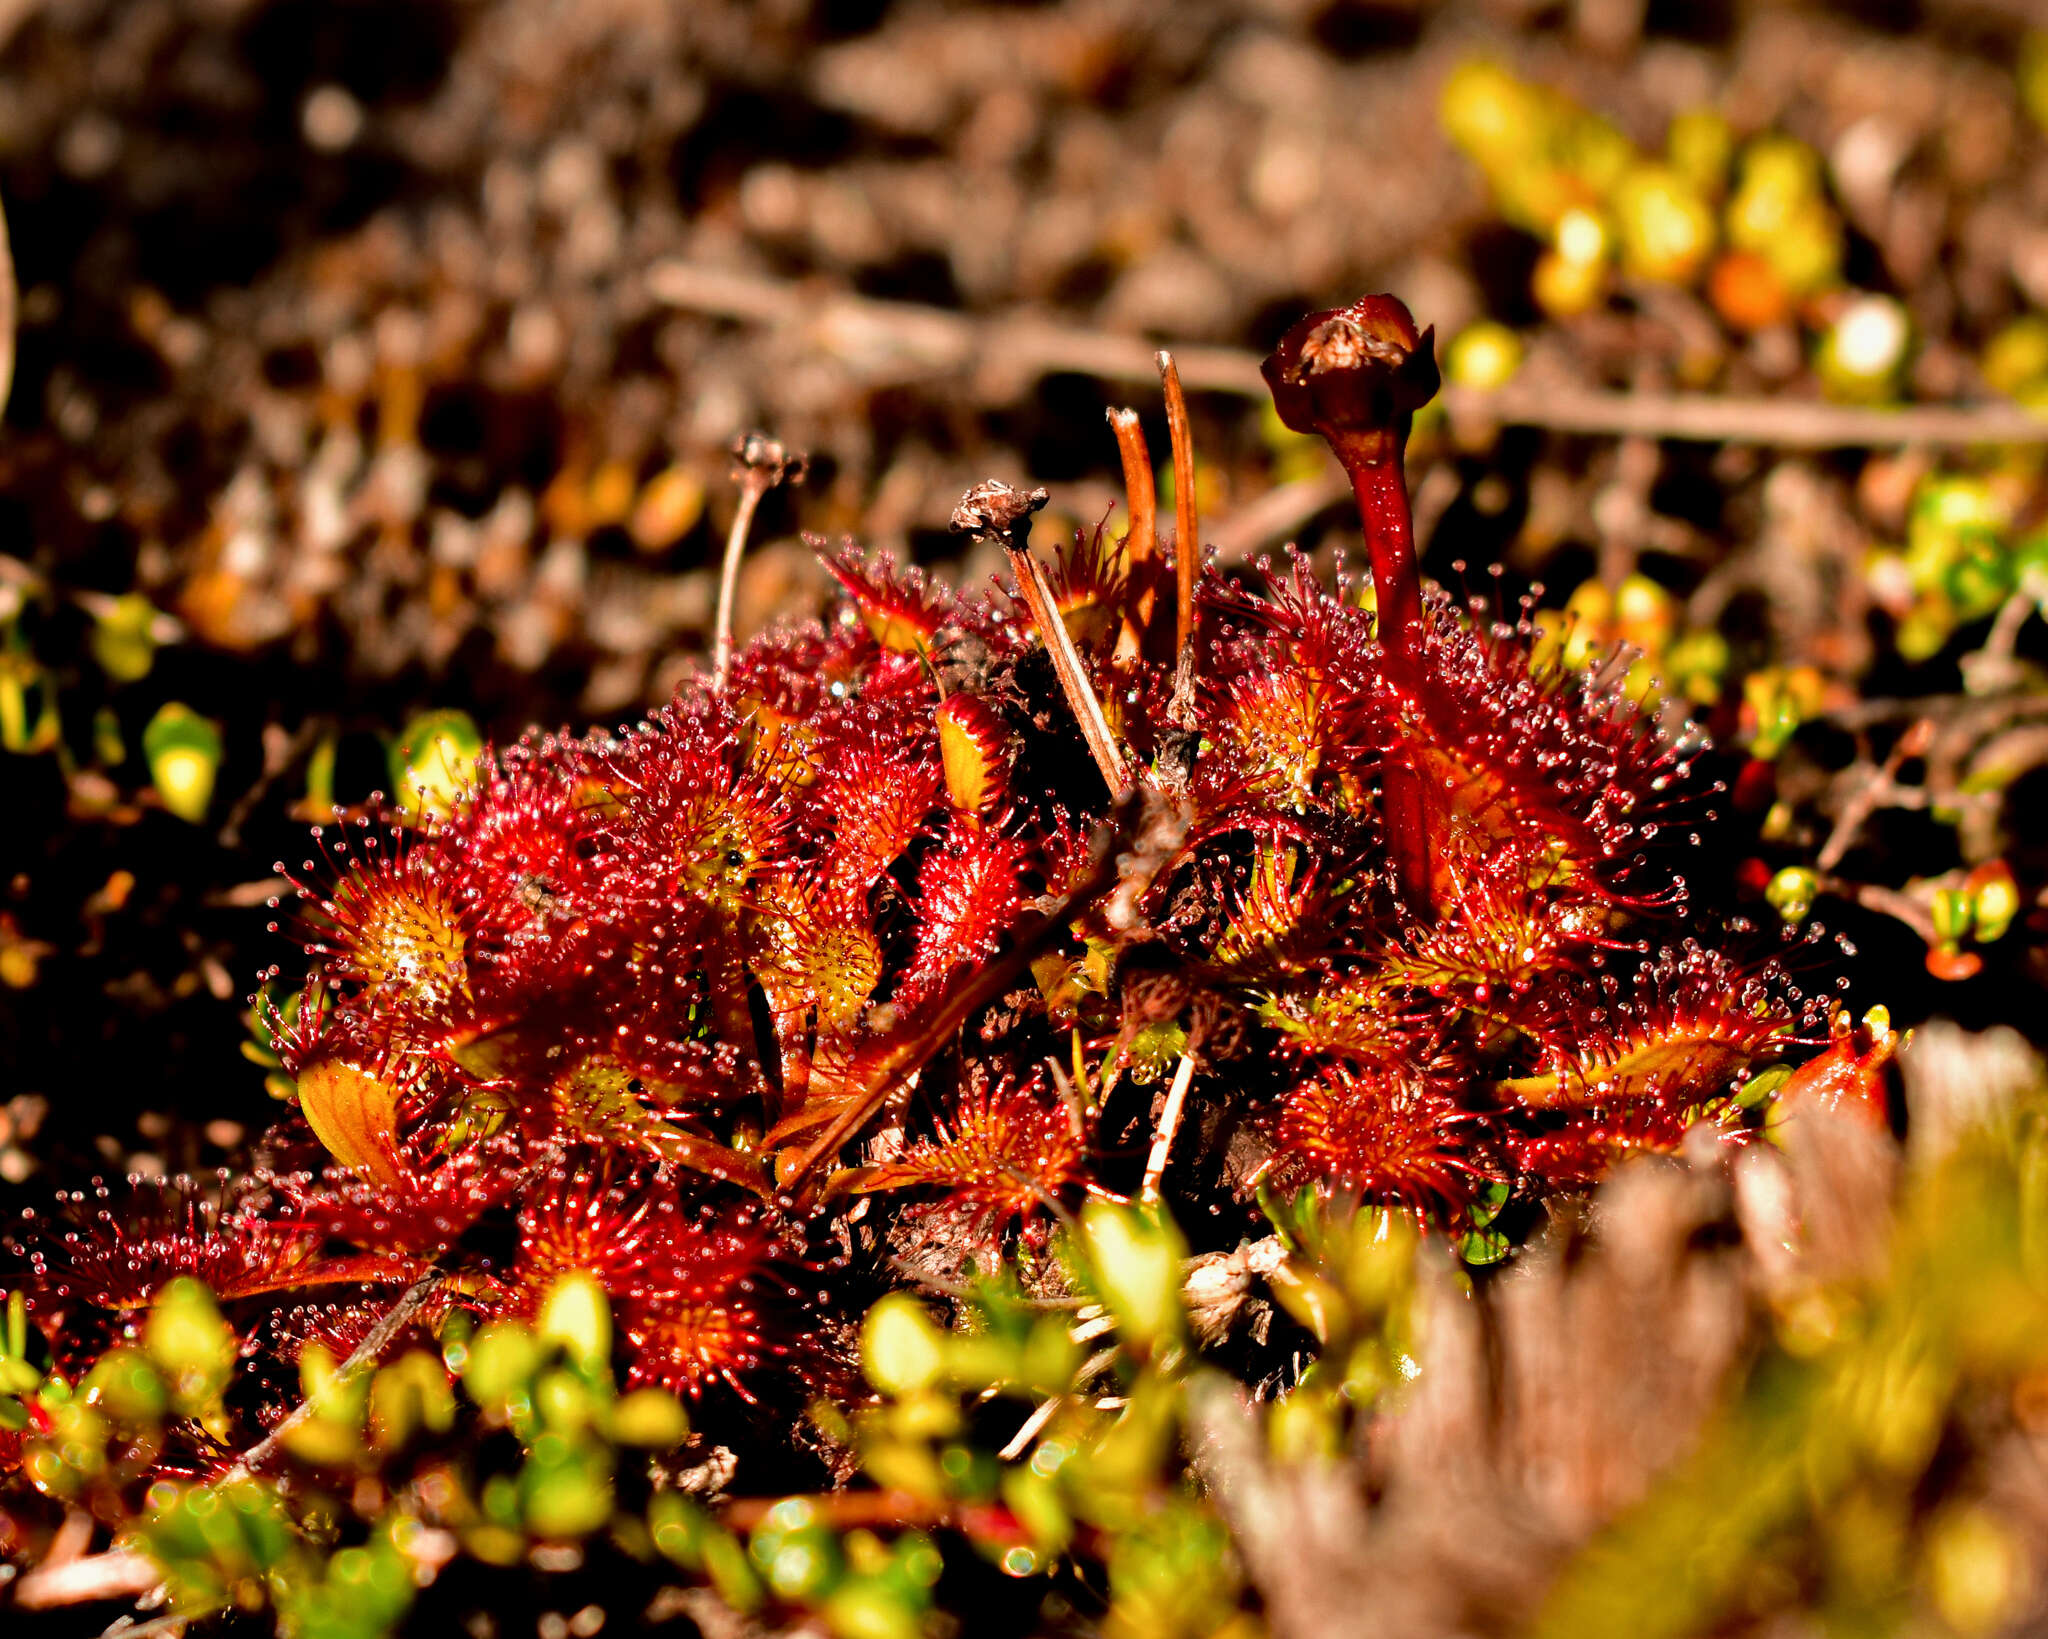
(1355, 376)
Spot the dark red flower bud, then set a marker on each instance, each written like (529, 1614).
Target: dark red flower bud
(1355, 376)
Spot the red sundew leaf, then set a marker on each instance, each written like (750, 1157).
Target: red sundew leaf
(586, 1215)
(696, 822)
(1849, 1074)
(691, 1288)
(999, 1159)
(525, 864)
(1090, 579)
(718, 1310)
(793, 675)
(602, 1105)
(392, 933)
(121, 1252)
(341, 1328)
(1277, 924)
(975, 751)
(1498, 930)
(876, 801)
(903, 609)
(1289, 707)
(1585, 1148)
(814, 951)
(1381, 1136)
(431, 1206)
(688, 1346)
(1355, 1017)
(969, 894)
(1563, 759)
(845, 1097)
(1689, 1024)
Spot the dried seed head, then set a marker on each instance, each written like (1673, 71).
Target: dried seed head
(759, 461)
(996, 511)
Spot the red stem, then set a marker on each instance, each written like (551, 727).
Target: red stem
(1390, 545)
(1382, 492)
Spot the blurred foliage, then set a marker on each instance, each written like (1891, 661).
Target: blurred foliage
(1856, 1468)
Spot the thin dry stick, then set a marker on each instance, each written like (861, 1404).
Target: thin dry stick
(8, 310)
(174, 1622)
(364, 1355)
(1066, 664)
(1071, 1098)
(993, 511)
(901, 340)
(969, 996)
(1187, 545)
(1876, 792)
(1888, 902)
(1701, 418)
(1169, 1124)
(119, 1573)
(759, 464)
(1030, 1430)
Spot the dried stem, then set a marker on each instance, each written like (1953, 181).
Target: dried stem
(759, 464)
(119, 1573)
(1072, 1097)
(9, 312)
(851, 1510)
(1169, 1124)
(1888, 902)
(126, 1628)
(1276, 515)
(361, 1358)
(1187, 544)
(1066, 663)
(902, 341)
(1142, 539)
(1879, 789)
(1031, 1428)
(995, 512)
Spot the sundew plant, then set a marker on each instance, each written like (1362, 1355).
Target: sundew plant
(944, 954)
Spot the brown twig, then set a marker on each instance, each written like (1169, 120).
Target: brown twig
(896, 341)
(279, 757)
(1066, 662)
(1026, 937)
(119, 1573)
(1169, 1125)
(364, 1355)
(1793, 424)
(1276, 515)
(1890, 902)
(759, 464)
(173, 1622)
(901, 340)
(1877, 790)
(1187, 545)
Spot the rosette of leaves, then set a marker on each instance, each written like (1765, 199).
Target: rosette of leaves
(869, 960)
